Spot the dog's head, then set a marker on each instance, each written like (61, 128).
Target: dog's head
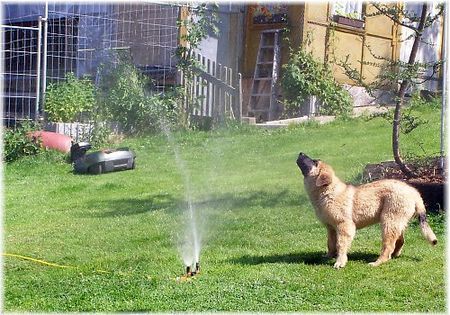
(315, 170)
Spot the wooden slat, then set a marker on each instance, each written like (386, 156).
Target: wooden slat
(204, 83)
(208, 89)
(220, 104)
(216, 89)
(239, 94)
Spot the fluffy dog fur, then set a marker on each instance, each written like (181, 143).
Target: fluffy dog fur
(344, 208)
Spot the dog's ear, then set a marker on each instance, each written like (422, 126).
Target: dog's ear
(323, 179)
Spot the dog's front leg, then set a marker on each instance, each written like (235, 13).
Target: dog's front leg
(332, 251)
(345, 232)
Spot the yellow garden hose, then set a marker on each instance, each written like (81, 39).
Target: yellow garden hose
(43, 262)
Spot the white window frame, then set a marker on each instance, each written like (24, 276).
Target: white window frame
(350, 9)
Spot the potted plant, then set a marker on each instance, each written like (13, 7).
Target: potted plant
(66, 102)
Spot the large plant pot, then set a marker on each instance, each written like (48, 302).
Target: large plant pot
(431, 189)
(77, 131)
(432, 194)
(311, 106)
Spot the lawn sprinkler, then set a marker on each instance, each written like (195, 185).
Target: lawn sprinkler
(190, 272)
(103, 161)
(196, 270)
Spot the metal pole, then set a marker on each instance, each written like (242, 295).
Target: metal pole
(444, 85)
(44, 61)
(38, 70)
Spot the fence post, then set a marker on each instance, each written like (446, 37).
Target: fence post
(221, 94)
(230, 94)
(203, 87)
(239, 96)
(215, 90)
(38, 70)
(44, 60)
(225, 93)
(208, 90)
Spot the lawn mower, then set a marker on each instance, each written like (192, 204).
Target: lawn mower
(104, 161)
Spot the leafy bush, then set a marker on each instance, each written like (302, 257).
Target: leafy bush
(304, 76)
(65, 100)
(18, 143)
(124, 96)
(427, 100)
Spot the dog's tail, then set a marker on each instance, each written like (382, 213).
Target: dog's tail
(427, 232)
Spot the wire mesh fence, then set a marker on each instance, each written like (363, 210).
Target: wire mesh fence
(79, 38)
(46, 43)
(20, 56)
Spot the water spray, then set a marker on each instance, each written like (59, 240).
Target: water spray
(191, 252)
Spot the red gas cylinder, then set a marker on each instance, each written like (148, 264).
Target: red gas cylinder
(53, 140)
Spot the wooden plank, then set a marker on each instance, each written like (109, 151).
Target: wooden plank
(204, 83)
(230, 95)
(217, 80)
(221, 106)
(215, 88)
(208, 89)
(199, 88)
(225, 93)
(239, 95)
(215, 92)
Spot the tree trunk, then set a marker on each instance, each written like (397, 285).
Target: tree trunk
(401, 97)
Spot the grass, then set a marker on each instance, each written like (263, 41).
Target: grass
(262, 245)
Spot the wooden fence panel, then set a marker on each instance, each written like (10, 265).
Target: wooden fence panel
(216, 89)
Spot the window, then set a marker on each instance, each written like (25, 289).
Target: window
(348, 9)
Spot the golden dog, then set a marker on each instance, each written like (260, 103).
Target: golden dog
(344, 208)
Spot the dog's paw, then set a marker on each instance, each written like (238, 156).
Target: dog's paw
(339, 264)
(375, 264)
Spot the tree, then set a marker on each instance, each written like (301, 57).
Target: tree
(405, 74)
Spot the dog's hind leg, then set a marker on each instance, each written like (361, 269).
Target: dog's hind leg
(391, 233)
(399, 245)
(344, 236)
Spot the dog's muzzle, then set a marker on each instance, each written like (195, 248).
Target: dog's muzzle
(305, 163)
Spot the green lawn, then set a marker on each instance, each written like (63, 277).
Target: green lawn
(262, 246)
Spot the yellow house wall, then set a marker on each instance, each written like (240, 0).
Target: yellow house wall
(316, 23)
(379, 34)
(252, 37)
(328, 41)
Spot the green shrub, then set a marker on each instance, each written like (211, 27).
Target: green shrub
(64, 101)
(431, 101)
(304, 76)
(125, 97)
(18, 143)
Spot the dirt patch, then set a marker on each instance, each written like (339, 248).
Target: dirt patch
(429, 181)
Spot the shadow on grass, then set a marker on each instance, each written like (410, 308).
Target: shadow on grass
(131, 206)
(169, 203)
(307, 258)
